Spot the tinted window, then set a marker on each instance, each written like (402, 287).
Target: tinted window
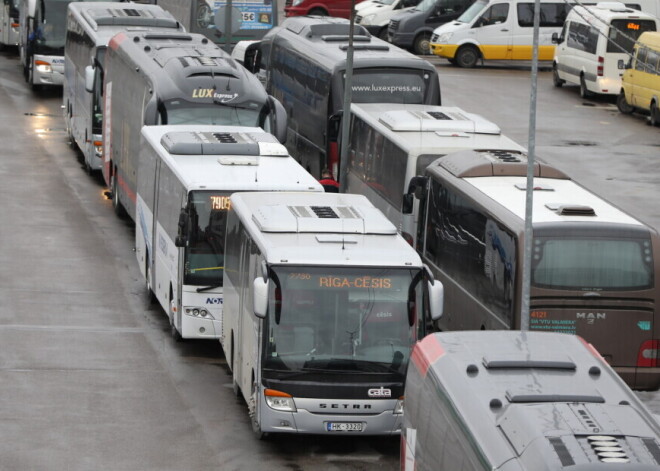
(471, 248)
(582, 37)
(495, 15)
(390, 85)
(624, 33)
(551, 14)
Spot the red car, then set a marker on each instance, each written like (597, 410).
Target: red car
(340, 8)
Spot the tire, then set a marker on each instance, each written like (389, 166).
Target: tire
(150, 291)
(256, 428)
(584, 93)
(422, 44)
(654, 116)
(120, 211)
(467, 57)
(234, 383)
(622, 104)
(176, 336)
(318, 12)
(452, 61)
(556, 81)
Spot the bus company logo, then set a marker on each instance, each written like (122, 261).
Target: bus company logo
(384, 315)
(591, 317)
(325, 405)
(225, 97)
(644, 325)
(213, 300)
(203, 93)
(379, 392)
(57, 61)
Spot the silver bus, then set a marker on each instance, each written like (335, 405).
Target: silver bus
(89, 27)
(323, 303)
(9, 23)
(172, 78)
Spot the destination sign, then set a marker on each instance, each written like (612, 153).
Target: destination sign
(220, 203)
(357, 282)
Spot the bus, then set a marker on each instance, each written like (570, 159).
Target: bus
(323, 302)
(88, 30)
(389, 144)
(593, 270)
(185, 178)
(9, 23)
(521, 401)
(42, 31)
(172, 78)
(250, 19)
(304, 62)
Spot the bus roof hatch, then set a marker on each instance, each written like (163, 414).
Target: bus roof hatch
(445, 119)
(129, 17)
(223, 143)
(323, 219)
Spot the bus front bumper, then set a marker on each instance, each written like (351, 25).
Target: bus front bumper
(201, 328)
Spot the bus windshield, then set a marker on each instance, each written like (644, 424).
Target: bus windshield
(341, 320)
(592, 264)
(205, 253)
(472, 11)
(185, 112)
(390, 86)
(50, 27)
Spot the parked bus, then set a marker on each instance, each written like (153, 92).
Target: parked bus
(593, 269)
(389, 144)
(89, 28)
(185, 177)
(304, 61)
(42, 33)
(9, 23)
(250, 19)
(323, 302)
(172, 78)
(521, 401)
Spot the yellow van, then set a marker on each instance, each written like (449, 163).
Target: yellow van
(641, 81)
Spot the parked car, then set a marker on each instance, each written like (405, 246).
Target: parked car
(641, 81)
(376, 16)
(340, 8)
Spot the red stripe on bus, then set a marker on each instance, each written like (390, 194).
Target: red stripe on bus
(426, 353)
(116, 40)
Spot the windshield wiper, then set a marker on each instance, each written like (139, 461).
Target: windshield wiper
(206, 288)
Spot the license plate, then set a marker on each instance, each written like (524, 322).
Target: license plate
(344, 426)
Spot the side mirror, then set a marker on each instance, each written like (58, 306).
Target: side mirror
(89, 78)
(334, 126)
(436, 299)
(417, 187)
(252, 58)
(555, 38)
(181, 239)
(260, 297)
(278, 117)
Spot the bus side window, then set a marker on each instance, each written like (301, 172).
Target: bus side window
(640, 59)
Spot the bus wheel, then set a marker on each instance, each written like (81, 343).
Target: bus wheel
(150, 291)
(654, 117)
(173, 330)
(252, 409)
(584, 92)
(467, 57)
(622, 104)
(116, 204)
(556, 81)
(422, 44)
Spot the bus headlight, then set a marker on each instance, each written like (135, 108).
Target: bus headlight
(198, 312)
(279, 400)
(398, 408)
(43, 67)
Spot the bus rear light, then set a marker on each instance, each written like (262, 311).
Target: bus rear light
(648, 354)
(279, 400)
(601, 66)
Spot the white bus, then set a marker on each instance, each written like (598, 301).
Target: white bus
(391, 143)
(89, 28)
(521, 401)
(9, 23)
(186, 175)
(42, 30)
(323, 302)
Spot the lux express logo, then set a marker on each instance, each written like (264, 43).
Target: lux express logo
(211, 93)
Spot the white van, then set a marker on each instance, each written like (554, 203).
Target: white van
(595, 45)
(499, 30)
(375, 16)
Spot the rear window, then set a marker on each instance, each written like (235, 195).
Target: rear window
(624, 33)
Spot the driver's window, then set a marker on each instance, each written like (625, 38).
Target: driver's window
(496, 14)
